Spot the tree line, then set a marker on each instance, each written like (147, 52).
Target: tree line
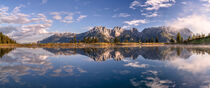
(179, 38)
(85, 40)
(5, 39)
(114, 40)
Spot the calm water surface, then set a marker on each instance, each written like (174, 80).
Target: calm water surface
(141, 67)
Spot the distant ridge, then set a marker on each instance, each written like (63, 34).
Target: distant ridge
(163, 33)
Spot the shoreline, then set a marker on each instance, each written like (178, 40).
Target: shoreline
(79, 45)
(97, 45)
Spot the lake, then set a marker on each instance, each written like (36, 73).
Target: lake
(112, 67)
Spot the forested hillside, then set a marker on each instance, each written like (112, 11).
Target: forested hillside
(5, 39)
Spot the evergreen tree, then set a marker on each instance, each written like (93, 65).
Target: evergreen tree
(179, 38)
(152, 40)
(172, 40)
(189, 38)
(75, 39)
(88, 40)
(146, 40)
(156, 39)
(79, 41)
(139, 41)
(126, 41)
(182, 39)
(116, 40)
(85, 40)
(96, 40)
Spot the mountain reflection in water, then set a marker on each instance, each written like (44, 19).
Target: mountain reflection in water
(103, 54)
(155, 67)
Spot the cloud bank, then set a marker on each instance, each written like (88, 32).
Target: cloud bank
(194, 16)
(22, 27)
(197, 23)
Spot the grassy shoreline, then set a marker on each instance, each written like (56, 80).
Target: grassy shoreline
(79, 45)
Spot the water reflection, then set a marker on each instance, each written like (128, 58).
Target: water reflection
(153, 67)
(118, 54)
(4, 51)
(21, 61)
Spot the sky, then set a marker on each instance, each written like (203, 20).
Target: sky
(33, 20)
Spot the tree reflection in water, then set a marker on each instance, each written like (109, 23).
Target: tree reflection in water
(4, 51)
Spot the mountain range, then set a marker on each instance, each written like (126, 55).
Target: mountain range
(163, 33)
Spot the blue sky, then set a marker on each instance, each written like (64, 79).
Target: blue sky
(22, 19)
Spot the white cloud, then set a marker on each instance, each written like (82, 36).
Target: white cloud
(126, 27)
(44, 1)
(81, 17)
(15, 17)
(17, 9)
(56, 15)
(135, 4)
(67, 17)
(157, 4)
(132, 23)
(121, 15)
(23, 27)
(135, 22)
(152, 5)
(196, 23)
(154, 14)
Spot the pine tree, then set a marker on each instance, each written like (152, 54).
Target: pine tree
(189, 38)
(179, 38)
(88, 40)
(85, 40)
(172, 40)
(146, 40)
(152, 40)
(126, 41)
(75, 39)
(139, 41)
(116, 40)
(96, 40)
(156, 39)
(182, 39)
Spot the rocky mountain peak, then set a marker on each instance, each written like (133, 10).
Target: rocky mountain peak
(117, 31)
(134, 30)
(100, 29)
(117, 28)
